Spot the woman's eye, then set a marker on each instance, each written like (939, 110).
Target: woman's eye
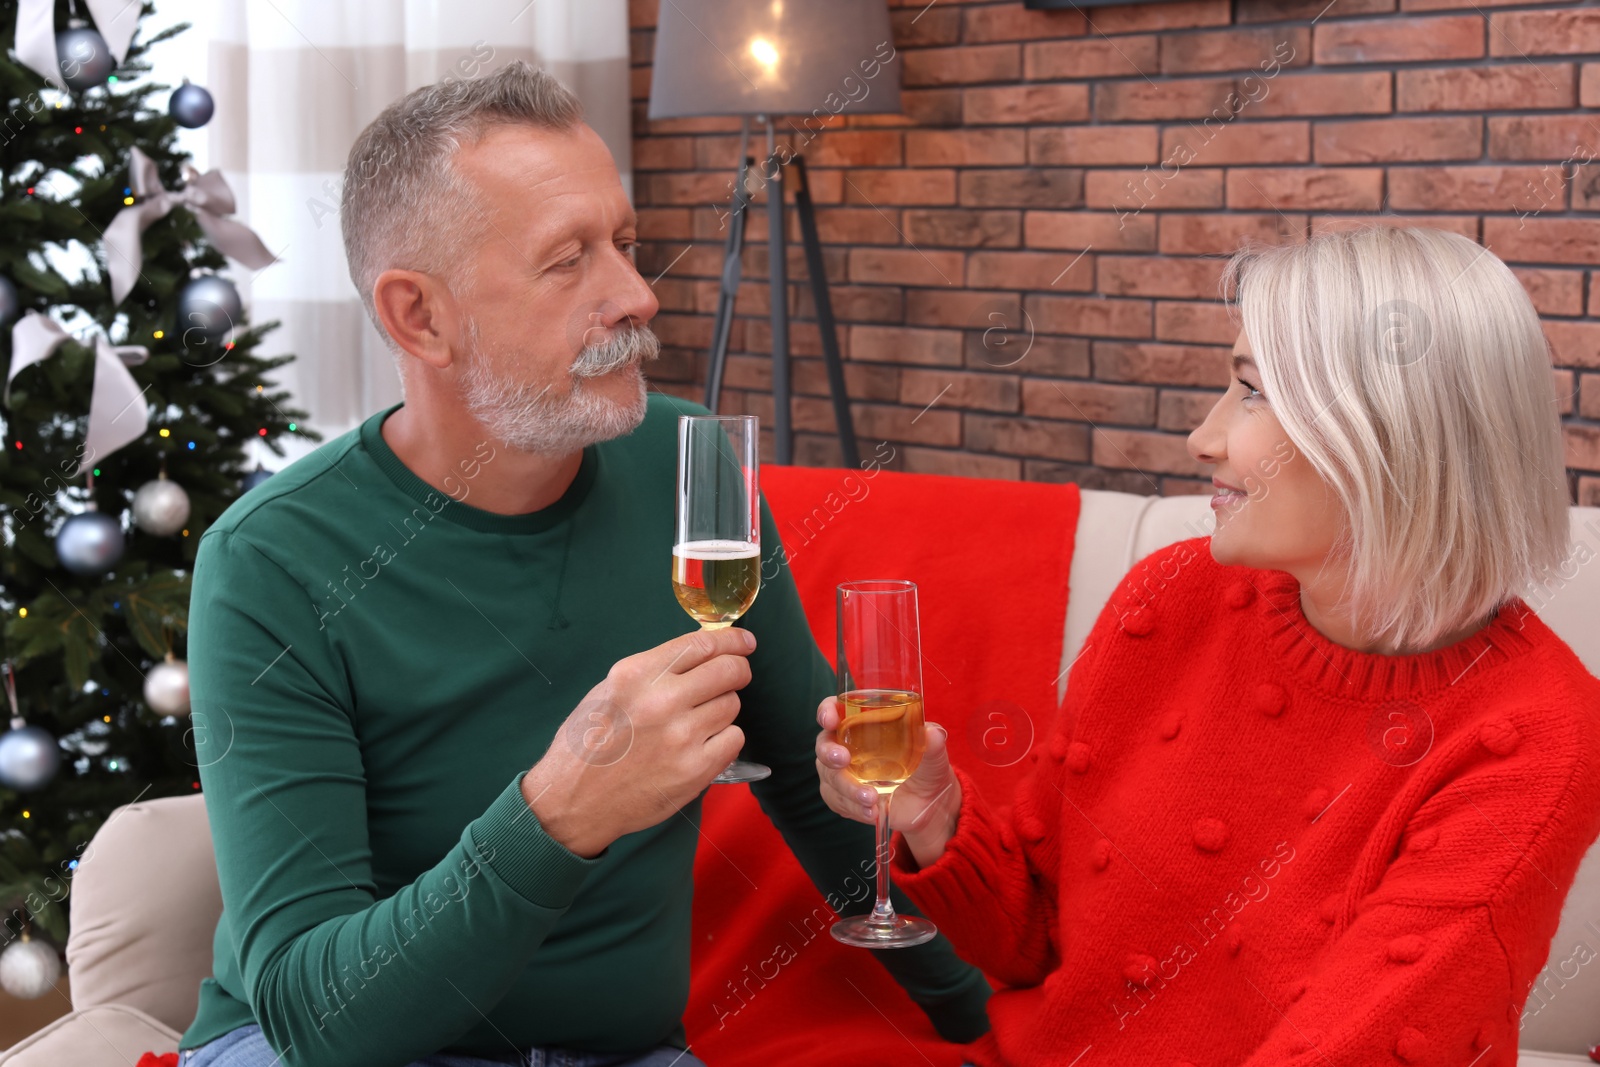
(1250, 391)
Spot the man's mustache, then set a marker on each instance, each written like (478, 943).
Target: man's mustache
(633, 343)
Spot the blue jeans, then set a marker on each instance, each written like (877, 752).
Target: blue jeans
(247, 1047)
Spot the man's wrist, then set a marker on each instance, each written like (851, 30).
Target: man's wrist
(553, 816)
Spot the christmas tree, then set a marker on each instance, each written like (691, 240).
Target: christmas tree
(87, 628)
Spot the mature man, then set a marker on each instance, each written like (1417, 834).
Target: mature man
(455, 726)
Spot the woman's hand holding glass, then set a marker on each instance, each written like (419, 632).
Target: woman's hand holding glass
(925, 805)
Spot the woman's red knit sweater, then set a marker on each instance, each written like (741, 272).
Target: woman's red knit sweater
(1246, 845)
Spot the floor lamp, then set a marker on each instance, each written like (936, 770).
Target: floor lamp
(807, 60)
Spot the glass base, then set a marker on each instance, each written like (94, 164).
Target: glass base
(902, 931)
(742, 771)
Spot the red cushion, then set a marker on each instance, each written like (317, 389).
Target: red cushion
(990, 560)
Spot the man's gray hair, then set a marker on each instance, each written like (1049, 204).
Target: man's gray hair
(403, 204)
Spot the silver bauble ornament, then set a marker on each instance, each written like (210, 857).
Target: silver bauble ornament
(85, 58)
(29, 968)
(161, 507)
(190, 106)
(256, 477)
(29, 757)
(90, 543)
(208, 309)
(166, 687)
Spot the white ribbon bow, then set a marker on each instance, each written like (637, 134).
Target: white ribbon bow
(117, 411)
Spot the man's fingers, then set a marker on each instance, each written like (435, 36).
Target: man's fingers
(723, 674)
(683, 654)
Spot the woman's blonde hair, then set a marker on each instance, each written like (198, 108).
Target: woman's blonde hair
(1409, 367)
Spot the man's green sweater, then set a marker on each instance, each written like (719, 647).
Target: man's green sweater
(374, 665)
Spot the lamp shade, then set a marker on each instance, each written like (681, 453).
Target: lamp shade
(774, 57)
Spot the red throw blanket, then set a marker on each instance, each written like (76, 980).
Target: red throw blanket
(990, 560)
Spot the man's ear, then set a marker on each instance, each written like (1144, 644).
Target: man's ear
(419, 312)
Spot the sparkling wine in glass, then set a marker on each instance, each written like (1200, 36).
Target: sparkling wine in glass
(880, 697)
(716, 556)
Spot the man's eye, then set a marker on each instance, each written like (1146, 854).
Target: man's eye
(568, 264)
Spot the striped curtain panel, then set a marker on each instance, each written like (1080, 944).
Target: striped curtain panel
(296, 80)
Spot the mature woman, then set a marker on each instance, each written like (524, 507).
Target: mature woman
(1321, 780)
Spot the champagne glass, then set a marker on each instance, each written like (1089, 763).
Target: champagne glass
(880, 696)
(716, 556)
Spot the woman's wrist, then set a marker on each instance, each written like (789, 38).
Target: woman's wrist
(927, 842)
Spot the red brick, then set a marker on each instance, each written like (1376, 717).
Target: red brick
(1583, 446)
(1028, 437)
(967, 65)
(1574, 344)
(1306, 188)
(882, 422)
(1436, 5)
(663, 153)
(930, 107)
(963, 308)
(1588, 394)
(916, 460)
(852, 225)
(1480, 188)
(963, 228)
(1063, 271)
(855, 148)
(1145, 450)
(1092, 145)
(1190, 98)
(1544, 240)
(1585, 185)
(1588, 490)
(1514, 86)
(863, 381)
(1210, 322)
(1553, 292)
(688, 187)
(1344, 93)
(931, 25)
(1589, 86)
(1400, 140)
(1183, 409)
(1011, 343)
(1018, 104)
(966, 148)
(664, 223)
(1465, 225)
(1191, 234)
(852, 303)
(1544, 33)
(900, 187)
(1289, 10)
(901, 344)
(642, 13)
(1239, 49)
(1552, 137)
(1214, 143)
(1050, 187)
(1009, 22)
(1400, 40)
(1154, 188)
(1162, 364)
(960, 389)
(1078, 230)
(1567, 391)
(1132, 18)
(1088, 316)
(1159, 276)
(1094, 402)
(905, 266)
(1090, 57)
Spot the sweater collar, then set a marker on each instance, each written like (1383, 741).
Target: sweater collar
(445, 507)
(1372, 676)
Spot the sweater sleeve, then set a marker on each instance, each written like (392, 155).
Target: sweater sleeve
(991, 891)
(1434, 964)
(333, 974)
(790, 678)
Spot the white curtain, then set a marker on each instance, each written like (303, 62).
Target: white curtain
(295, 81)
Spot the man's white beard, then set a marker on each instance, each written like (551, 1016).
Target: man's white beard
(532, 420)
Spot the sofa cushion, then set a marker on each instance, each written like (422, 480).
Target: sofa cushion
(145, 903)
(106, 1035)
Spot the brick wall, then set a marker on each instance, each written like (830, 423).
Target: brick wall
(1054, 183)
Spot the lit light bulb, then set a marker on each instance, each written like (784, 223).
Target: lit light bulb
(763, 52)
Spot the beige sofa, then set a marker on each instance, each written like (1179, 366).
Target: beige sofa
(145, 898)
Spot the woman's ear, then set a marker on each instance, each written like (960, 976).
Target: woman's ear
(420, 314)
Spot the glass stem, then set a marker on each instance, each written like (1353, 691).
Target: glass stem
(883, 910)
